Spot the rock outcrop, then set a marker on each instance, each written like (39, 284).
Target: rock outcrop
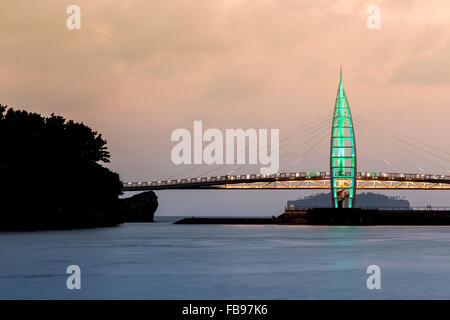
(139, 208)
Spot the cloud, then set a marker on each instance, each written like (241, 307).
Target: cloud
(428, 65)
(236, 86)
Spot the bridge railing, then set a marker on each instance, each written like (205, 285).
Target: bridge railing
(230, 178)
(402, 175)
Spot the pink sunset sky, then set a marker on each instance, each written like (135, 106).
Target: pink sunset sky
(137, 70)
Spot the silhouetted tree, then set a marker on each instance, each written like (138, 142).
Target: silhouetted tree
(50, 173)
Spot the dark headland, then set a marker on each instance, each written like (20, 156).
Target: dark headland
(53, 176)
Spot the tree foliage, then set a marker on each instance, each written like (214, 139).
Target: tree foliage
(51, 172)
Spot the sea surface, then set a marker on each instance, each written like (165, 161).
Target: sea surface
(166, 261)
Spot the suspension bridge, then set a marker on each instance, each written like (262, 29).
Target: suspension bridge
(342, 179)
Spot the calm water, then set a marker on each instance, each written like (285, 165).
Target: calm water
(166, 261)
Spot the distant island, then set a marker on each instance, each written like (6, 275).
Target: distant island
(363, 200)
(52, 176)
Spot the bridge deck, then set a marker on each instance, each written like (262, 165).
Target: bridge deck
(298, 180)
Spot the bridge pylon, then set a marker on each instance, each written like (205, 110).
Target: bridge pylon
(342, 153)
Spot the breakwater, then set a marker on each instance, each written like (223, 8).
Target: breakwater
(234, 220)
(328, 216)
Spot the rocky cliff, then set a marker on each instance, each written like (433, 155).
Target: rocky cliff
(139, 208)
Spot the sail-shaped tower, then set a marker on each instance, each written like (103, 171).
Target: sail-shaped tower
(342, 153)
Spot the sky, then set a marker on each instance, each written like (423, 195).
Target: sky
(137, 70)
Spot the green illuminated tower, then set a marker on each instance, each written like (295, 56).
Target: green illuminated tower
(342, 153)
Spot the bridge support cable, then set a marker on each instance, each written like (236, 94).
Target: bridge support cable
(404, 136)
(407, 149)
(324, 136)
(307, 128)
(301, 141)
(386, 149)
(284, 143)
(396, 145)
(422, 149)
(306, 139)
(411, 144)
(364, 132)
(288, 151)
(387, 146)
